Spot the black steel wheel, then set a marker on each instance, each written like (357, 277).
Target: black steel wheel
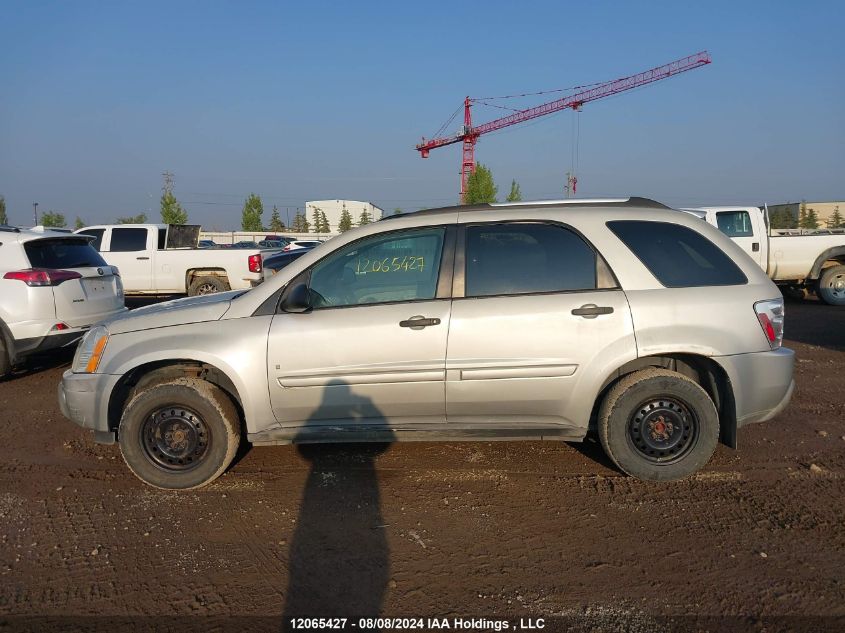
(179, 434)
(658, 425)
(175, 438)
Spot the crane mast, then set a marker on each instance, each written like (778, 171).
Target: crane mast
(469, 134)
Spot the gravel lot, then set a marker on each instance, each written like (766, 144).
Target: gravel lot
(545, 530)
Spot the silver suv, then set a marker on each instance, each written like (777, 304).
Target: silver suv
(536, 320)
(53, 287)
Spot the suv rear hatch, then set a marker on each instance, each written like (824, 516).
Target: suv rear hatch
(90, 291)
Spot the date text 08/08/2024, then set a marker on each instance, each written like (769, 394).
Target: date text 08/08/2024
(465, 624)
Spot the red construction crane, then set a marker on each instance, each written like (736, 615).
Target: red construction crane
(468, 134)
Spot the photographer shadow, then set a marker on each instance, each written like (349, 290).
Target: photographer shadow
(339, 560)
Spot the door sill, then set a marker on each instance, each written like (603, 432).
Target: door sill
(427, 433)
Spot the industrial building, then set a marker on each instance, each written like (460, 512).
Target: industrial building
(334, 210)
(824, 210)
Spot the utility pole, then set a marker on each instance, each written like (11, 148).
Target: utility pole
(35, 213)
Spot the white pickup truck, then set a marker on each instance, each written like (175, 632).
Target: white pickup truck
(796, 262)
(164, 259)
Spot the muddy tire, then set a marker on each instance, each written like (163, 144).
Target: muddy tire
(5, 365)
(180, 434)
(207, 285)
(831, 288)
(658, 425)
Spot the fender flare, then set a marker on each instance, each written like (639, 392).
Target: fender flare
(835, 252)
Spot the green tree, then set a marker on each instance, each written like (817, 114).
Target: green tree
(365, 218)
(835, 221)
(810, 220)
(276, 223)
(80, 223)
(321, 222)
(515, 195)
(141, 218)
(300, 223)
(251, 214)
(480, 186)
(53, 219)
(397, 211)
(780, 219)
(802, 215)
(345, 222)
(171, 211)
(4, 219)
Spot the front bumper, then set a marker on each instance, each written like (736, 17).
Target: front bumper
(84, 399)
(762, 383)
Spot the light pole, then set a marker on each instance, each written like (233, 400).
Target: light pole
(35, 213)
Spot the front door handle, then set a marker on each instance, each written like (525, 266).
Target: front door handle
(418, 322)
(142, 258)
(591, 310)
(755, 246)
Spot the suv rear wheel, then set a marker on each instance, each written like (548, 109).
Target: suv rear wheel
(180, 434)
(5, 365)
(658, 425)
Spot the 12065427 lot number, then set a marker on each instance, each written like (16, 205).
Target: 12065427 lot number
(390, 264)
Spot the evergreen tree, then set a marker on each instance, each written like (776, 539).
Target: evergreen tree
(835, 221)
(515, 194)
(171, 211)
(802, 216)
(345, 222)
(141, 218)
(480, 186)
(324, 221)
(365, 218)
(812, 219)
(251, 214)
(52, 219)
(4, 219)
(79, 223)
(300, 223)
(276, 224)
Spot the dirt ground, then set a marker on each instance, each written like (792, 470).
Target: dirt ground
(486, 530)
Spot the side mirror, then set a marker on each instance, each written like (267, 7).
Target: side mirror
(297, 298)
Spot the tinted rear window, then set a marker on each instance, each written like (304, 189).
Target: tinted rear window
(62, 253)
(677, 256)
(98, 237)
(128, 240)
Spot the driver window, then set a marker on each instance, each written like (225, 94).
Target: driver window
(400, 266)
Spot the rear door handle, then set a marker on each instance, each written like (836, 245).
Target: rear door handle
(418, 322)
(591, 311)
(142, 258)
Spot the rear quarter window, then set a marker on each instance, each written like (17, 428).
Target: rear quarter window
(676, 255)
(62, 253)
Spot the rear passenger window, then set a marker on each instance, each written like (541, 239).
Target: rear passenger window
(128, 240)
(523, 257)
(676, 255)
(98, 237)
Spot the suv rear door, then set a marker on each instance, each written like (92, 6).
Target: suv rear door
(80, 301)
(537, 316)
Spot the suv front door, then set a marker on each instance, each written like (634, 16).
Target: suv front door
(372, 350)
(536, 314)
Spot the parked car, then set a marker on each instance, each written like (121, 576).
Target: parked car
(207, 244)
(272, 243)
(275, 263)
(164, 259)
(297, 244)
(795, 261)
(54, 286)
(245, 244)
(517, 321)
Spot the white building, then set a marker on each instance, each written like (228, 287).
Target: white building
(334, 208)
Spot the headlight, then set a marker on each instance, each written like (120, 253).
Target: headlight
(90, 350)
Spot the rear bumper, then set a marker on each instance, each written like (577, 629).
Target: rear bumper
(762, 383)
(37, 345)
(84, 399)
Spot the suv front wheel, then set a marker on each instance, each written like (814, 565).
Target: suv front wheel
(658, 425)
(180, 434)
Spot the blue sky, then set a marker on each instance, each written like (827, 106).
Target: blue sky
(316, 100)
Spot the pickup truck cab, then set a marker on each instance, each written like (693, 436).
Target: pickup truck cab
(795, 260)
(165, 259)
(540, 320)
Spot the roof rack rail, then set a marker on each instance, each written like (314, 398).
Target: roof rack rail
(9, 229)
(633, 201)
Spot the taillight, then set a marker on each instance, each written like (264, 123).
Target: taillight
(42, 277)
(254, 263)
(286, 248)
(770, 315)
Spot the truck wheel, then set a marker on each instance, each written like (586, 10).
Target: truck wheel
(658, 425)
(831, 288)
(207, 285)
(180, 434)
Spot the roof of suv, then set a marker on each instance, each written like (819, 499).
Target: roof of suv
(633, 202)
(25, 235)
